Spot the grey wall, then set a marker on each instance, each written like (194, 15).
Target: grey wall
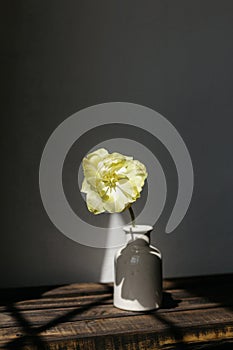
(61, 56)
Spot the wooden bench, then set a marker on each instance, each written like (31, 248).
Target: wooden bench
(197, 313)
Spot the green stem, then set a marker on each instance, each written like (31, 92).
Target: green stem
(132, 216)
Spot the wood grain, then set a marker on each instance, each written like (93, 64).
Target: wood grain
(196, 313)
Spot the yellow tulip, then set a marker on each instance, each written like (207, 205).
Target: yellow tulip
(111, 181)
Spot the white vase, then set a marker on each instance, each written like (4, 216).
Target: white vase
(138, 272)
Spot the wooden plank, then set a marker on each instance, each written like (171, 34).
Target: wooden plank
(149, 341)
(170, 306)
(48, 303)
(172, 298)
(216, 321)
(94, 310)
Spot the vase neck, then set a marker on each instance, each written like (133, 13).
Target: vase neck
(138, 232)
(130, 237)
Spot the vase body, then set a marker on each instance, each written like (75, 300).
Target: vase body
(138, 272)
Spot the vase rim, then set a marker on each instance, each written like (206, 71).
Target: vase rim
(137, 228)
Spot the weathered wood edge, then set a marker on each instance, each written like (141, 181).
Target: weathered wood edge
(185, 338)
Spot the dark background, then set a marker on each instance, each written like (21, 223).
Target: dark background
(58, 57)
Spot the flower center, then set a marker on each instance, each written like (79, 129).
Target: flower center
(110, 180)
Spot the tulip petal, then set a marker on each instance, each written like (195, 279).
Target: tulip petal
(94, 202)
(85, 186)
